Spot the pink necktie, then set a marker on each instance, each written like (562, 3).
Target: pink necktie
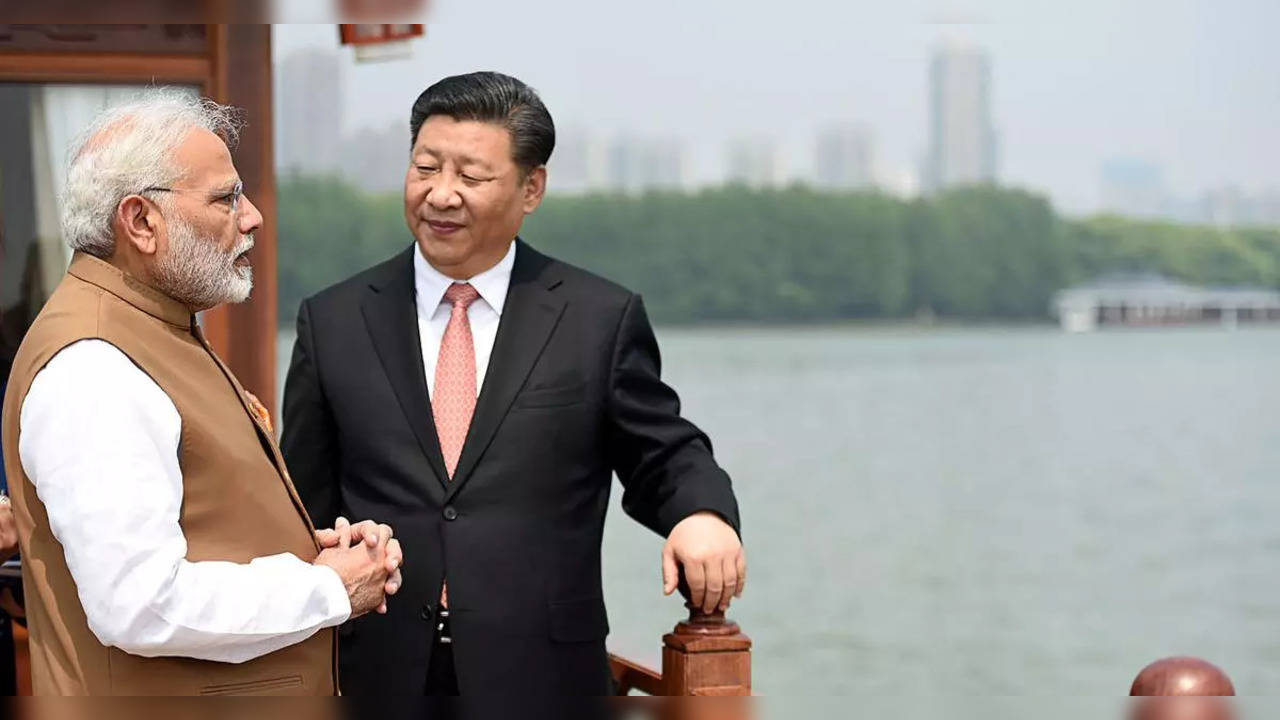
(454, 400)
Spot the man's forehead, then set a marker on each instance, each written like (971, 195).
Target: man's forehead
(205, 157)
(473, 138)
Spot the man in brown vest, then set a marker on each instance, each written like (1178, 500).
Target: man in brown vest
(165, 550)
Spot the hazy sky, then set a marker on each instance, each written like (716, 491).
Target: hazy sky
(1191, 86)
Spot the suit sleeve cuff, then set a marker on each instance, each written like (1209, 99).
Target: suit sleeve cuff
(692, 498)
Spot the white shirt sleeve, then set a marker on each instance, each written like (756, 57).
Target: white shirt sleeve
(99, 440)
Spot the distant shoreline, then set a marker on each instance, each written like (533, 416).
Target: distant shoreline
(913, 326)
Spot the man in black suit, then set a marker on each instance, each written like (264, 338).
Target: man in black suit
(477, 395)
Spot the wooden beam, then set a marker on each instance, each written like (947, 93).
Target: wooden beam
(88, 67)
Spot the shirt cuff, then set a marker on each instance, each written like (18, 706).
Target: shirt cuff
(329, 583)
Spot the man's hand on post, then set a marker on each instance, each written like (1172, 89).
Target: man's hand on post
(711, 554)
(373, 563)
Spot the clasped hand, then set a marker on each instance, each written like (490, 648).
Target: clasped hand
(367, 558)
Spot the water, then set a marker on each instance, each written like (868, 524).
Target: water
(983, 511)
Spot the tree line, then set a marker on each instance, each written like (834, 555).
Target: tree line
(734, 254)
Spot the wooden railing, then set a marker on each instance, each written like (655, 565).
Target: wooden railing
(709, 655)
(704, 655)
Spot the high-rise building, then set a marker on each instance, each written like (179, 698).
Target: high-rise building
(843, 157)
(309, 122)
(636, 164)
(962, 137)
(579, 164)
(754, 162)
(376, 160)
(900, 181)
(1232, 207)
(1133, 187)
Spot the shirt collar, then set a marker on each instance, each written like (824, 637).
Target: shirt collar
(430, 284)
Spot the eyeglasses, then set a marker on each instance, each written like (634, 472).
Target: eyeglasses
(232, 197)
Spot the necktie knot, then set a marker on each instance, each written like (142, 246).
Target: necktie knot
(461, 295)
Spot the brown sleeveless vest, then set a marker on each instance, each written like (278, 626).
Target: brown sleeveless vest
(238, 501)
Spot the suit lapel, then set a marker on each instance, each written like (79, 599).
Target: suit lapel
(529, 316)
(392, 319)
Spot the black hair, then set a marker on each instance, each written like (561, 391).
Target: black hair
(496, 98)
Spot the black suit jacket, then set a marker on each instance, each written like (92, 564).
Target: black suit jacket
(572, 394)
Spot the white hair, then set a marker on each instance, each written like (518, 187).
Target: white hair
(127, 149)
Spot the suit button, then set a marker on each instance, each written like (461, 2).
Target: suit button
(450, 513)
(427, 612)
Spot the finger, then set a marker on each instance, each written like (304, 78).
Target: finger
(344, 531)
(371, 532)
(393, 583)
(382, 608)
(361, 530)
(729, 571)
(715, 585)
(670, 572)
(694, 573)
(395, 556)
(327, 538)
(742, 572)
(383, 536)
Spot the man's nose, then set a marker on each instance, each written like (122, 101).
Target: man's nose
(250, 219)
(442, 195)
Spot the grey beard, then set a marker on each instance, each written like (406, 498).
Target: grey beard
(199, 274)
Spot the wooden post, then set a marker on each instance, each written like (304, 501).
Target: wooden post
(1182, 676)
(245, 334)
(706, 655)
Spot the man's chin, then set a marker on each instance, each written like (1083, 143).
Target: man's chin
(448, 256)
(243, 287)
(455, 243)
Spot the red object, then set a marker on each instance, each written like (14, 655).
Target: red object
(363, 34)
(1182, 676)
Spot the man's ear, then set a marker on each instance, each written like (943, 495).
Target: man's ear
(137, 224)
(535, 187)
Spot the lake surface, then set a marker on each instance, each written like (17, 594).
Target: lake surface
(981, 512)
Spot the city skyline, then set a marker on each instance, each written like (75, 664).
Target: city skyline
(844, 153)
(1187, 87)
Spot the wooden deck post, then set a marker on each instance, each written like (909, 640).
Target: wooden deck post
(706, 655)
(1182, 676)
(1182, 688)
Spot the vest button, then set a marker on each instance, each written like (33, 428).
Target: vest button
(450, 513)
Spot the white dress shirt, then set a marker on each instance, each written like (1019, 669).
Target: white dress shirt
(99, 440)
(429, 285)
